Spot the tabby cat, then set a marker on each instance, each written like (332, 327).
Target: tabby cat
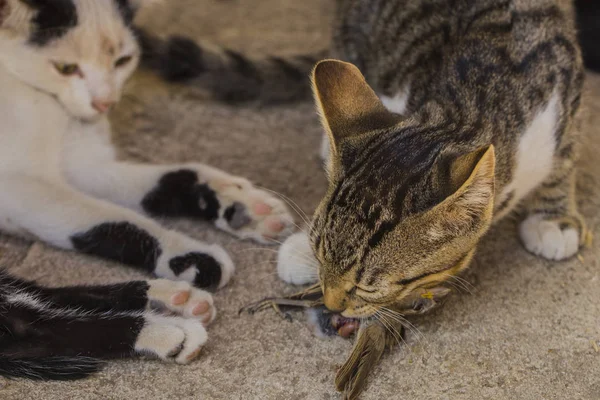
(63, 64)
(467, 111)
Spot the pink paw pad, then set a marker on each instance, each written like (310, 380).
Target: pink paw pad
(262, 209)
(180, 298)
(275, 225)
(201, 308)
(207, 318)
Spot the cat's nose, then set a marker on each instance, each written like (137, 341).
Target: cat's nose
(102, 105)
(333, 301)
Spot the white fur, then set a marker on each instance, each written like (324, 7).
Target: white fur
(58, 171)
(534, 163)
(547, 239)
(167, 337)
(296, 263)
(398, 103)
(535, 155)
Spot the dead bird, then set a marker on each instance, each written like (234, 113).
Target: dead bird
(374, 334)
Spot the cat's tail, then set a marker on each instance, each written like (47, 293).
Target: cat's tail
(49, 368)
(228, 75)
(588, 24)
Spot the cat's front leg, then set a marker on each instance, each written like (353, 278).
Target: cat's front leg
(199, 191)
(554, 228)
(68, 219)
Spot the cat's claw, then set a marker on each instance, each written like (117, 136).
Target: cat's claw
(182, 299)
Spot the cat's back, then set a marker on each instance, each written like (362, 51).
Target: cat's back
(396, 41)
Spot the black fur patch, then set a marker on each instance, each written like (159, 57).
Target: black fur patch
(588, 24)
(53, 19)
(208, 270)
(122, 242)
(179, 194)
(50, 368)
(3, 11)
(181, 59)
(126, 10)
(129, 296)
(236, 216)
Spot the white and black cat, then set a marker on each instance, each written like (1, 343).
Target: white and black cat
(63, 64)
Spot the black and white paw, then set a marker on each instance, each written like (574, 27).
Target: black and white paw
(232, 203)
(553, 239)
(171, 338)
(181, 298)
(251, 213)
(204, 266)
(296, 263)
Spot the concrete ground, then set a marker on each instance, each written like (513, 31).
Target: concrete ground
(526, 330)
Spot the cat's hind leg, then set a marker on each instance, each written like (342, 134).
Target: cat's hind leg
(554, 228)
(34, 329)
(172, 297)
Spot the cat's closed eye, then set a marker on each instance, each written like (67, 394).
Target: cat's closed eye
(121, 62)
(66, 69)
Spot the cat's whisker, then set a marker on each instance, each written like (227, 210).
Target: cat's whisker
(466, 282)
(291, 203)
(406, 323)
(309, 258)
(390, 328)
(459, 283)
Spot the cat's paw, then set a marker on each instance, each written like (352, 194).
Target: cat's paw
(171, 338)
(184, 259)
(251, 213)
(296, 263)
(181, 298)
(554, 239)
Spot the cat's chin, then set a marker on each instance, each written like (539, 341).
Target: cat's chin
(86, 117)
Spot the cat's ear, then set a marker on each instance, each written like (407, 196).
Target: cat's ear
(347, 104)
(15, 15)
(470, 207)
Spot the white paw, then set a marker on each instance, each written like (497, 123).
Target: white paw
(296, 263)
(171, 338)
(547, 239)
(251, 213)
(183, 299)
(184, 259)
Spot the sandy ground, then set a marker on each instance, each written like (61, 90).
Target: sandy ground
(524, 332)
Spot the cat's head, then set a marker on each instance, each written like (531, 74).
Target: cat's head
(79, 51)
(402, 212)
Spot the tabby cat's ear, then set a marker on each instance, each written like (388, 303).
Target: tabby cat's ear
(347, 104)
(469, 209)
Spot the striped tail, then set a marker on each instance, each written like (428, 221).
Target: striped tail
(228, 75)
(49, 368)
